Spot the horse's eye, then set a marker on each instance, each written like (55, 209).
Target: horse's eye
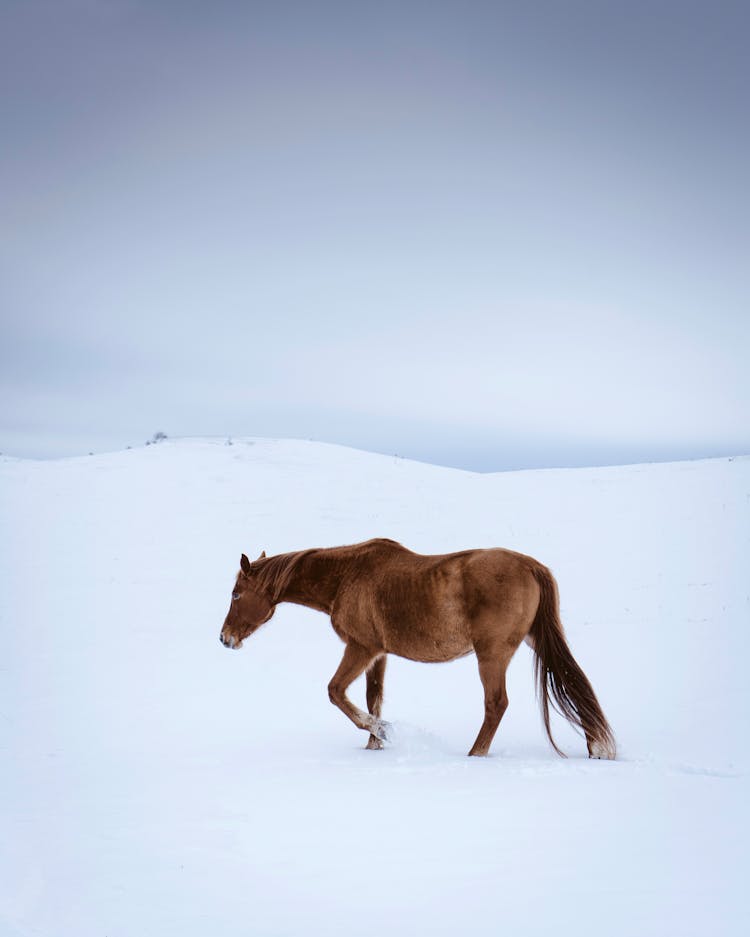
(235, 596)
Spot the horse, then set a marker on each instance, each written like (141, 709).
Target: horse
(384, 599)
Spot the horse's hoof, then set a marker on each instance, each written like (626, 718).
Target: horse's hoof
(382, 731)
(374, 744)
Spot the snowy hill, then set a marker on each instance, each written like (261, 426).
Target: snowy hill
(155, 784)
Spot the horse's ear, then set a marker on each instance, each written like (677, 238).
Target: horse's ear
(262, 556)
(244, 564)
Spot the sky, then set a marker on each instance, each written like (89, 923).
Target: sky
(487, 235)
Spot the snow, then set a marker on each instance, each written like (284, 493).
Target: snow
(154, 783)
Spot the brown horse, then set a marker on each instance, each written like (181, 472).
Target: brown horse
(384, 599)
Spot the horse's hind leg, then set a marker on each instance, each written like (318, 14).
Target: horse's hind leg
(492, 674)
(356, 659)
(375, 677)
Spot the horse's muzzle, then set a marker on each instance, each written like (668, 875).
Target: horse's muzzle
(230, 642)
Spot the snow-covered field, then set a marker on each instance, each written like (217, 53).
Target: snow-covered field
(154, 783)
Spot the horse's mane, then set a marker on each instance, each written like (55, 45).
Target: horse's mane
(273, 573)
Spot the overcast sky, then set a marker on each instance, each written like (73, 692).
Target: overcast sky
(490, 235)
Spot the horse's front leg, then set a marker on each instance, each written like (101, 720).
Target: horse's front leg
(375, 678)
(355, 661)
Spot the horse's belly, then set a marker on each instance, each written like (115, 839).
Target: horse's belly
(428, 646)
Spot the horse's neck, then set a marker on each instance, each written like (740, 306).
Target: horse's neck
(313, 579)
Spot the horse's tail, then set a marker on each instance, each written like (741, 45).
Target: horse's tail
(556, 674)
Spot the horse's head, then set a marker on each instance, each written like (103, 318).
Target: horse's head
(250, 607)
